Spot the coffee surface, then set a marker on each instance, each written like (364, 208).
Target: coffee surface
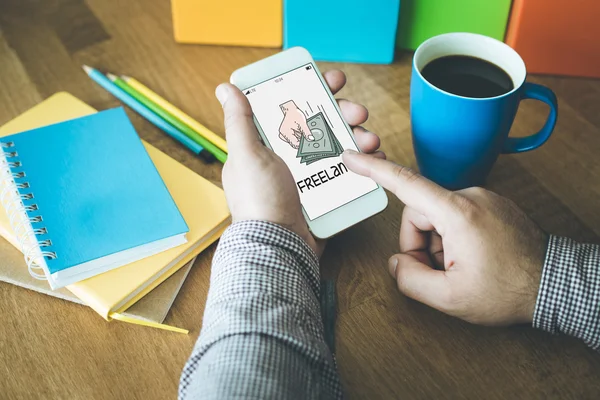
(467, 76)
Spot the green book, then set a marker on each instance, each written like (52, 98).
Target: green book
(422, 19)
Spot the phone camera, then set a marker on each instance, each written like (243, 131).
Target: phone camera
(309, 67)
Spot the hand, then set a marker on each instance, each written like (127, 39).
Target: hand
(258, 184)
(293, 126)
(471, 254)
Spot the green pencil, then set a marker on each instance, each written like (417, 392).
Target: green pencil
(208, 146)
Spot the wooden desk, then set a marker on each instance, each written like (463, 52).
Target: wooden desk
(387, 346)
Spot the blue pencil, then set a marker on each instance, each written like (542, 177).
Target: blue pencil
(169, 129)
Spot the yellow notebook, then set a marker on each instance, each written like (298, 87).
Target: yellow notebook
(256, 23)
(153, 307)
(201, 203)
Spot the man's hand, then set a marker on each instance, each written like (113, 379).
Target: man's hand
(258, 185)
(471, 254)
(293, 126)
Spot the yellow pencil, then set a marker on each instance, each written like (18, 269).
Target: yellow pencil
(177, 113)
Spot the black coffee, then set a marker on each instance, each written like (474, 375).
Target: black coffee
(468, 76)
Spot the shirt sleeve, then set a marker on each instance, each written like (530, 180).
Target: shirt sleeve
(262, 333)
(569, 296)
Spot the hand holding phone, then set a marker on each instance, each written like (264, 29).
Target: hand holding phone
(251, 166)
(298, 118)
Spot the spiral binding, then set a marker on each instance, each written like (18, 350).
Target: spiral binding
(21, 221)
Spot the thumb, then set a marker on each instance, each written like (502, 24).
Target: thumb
(305, 129)
(240, 130)
(411, 188)
(419, 281)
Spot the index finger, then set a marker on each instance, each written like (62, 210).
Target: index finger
(410, 187)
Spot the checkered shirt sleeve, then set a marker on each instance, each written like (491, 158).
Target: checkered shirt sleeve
(569, 297)
(262, 333)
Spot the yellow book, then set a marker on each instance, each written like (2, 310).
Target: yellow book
(257, 23)
(153, 307)
(201, 203)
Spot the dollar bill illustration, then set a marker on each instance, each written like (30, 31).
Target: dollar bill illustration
(324, 145)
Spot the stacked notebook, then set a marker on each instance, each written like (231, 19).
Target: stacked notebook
(152, 308)
(95, 209)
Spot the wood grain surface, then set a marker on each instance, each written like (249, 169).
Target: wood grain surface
(387, 346)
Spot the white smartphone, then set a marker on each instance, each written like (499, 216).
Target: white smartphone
(299, 119)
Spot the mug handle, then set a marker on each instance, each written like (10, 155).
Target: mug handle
(541, 93)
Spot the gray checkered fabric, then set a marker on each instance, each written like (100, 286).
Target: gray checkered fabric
(262, 333)
(569, 297)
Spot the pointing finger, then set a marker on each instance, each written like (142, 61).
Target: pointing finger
(411, 188)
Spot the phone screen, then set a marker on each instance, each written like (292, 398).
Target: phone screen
(305, 129)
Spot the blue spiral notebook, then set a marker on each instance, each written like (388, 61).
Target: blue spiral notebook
(84, 197)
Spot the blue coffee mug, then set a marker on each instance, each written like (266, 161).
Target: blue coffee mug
(457, 139)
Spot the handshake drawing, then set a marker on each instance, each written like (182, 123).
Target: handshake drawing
(313, 137)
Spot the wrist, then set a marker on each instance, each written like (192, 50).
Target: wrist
(534, 274)
(300, 232)
(301, 229)
(298, 228)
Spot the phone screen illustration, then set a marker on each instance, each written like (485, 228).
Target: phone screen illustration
(305, 129)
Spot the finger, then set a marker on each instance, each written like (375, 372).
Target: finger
(411, 188)
(306, 130)
(354, 114)
(420, 282)
(414, 231)
(436, 250)
(240, 130)
(335, 79)
(419, 256)
(367, 142)
(379, 154)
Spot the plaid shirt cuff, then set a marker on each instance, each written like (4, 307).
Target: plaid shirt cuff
(569, 296)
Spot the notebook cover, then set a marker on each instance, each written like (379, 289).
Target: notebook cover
(152, 307)
(96, 188)
(155, 305)
(558, 37)
(202, 204)
(423, 19)
(309, 24)
(228, 22)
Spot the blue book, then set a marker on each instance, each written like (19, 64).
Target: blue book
(342, 30)
(84, 198)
